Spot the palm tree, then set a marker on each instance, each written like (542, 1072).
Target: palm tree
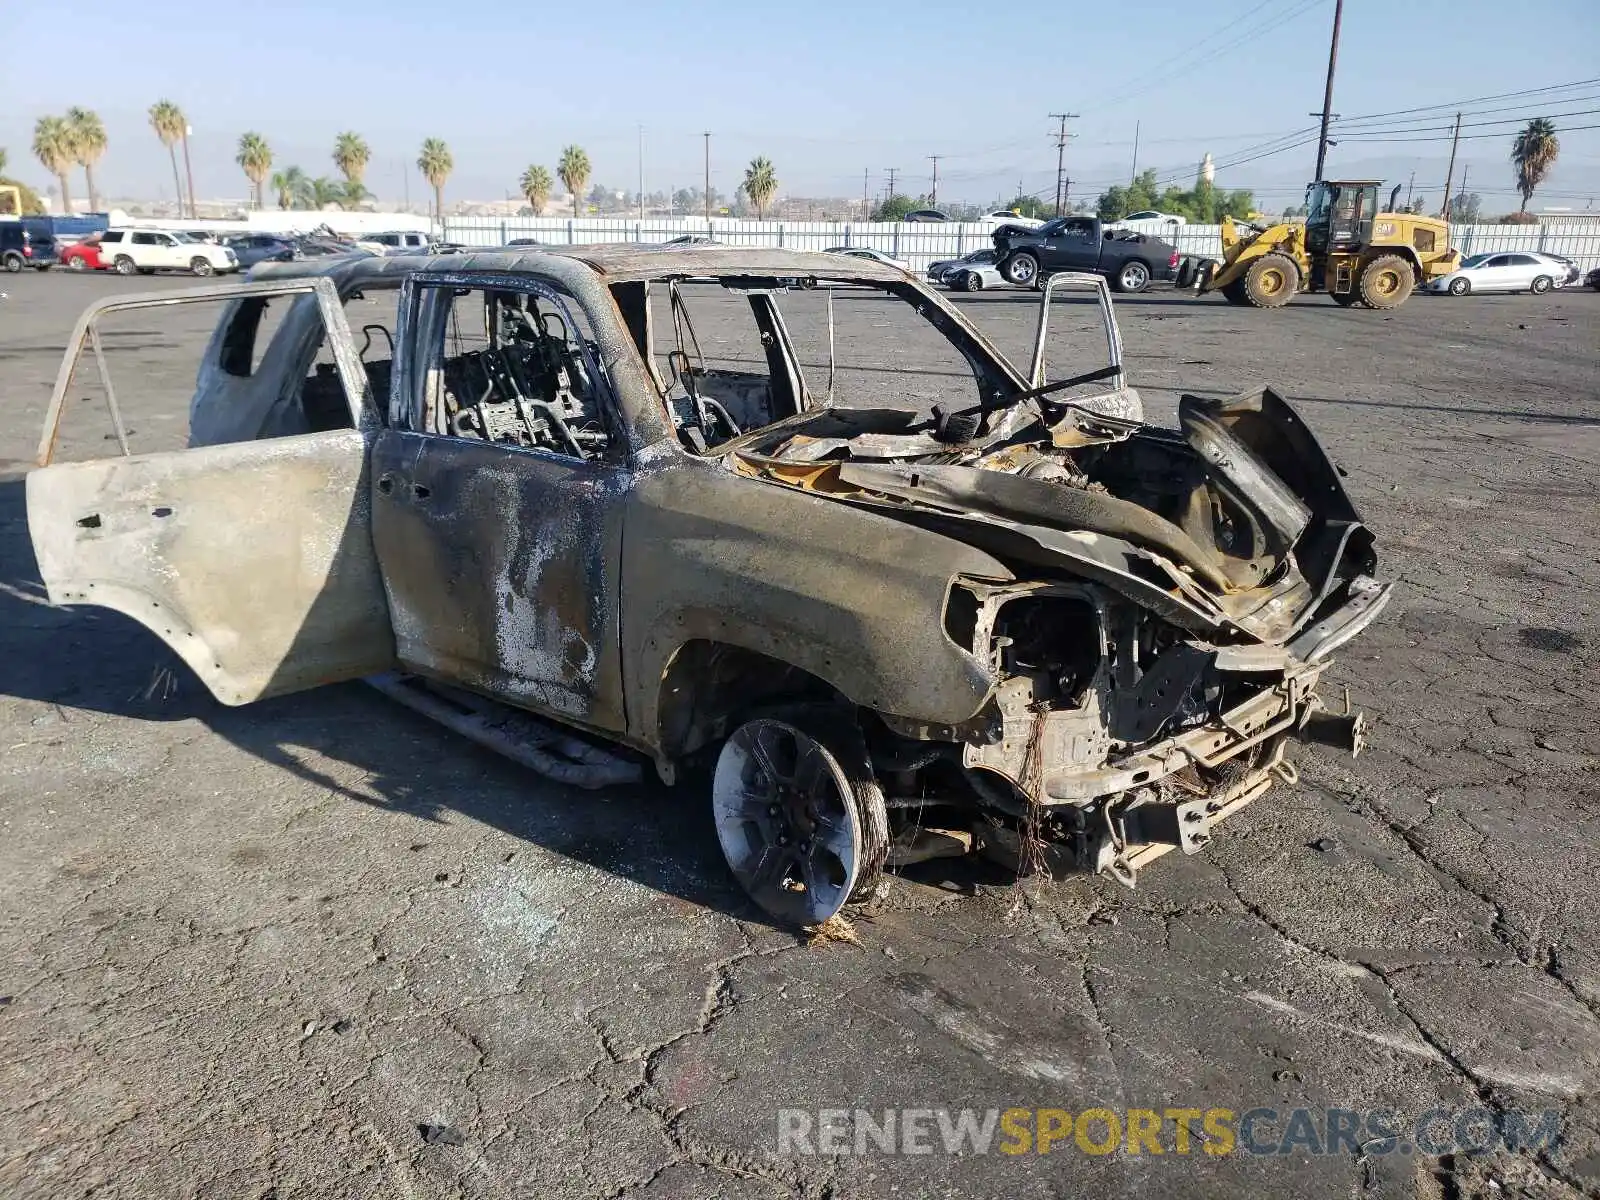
(535, 185)
(436, 164)
(167, 119)
(760, 182)
(574, 171)
(255, 160)
(352, 193)
(1533, 153)
(292, 186)
(88, 144)
(351, 155)
(325, 191)
(53, 146)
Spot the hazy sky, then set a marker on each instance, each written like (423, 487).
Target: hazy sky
(824, 89)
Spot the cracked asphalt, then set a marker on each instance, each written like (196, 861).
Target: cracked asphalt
(319, 947)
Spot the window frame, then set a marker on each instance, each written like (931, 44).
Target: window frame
(407, 408)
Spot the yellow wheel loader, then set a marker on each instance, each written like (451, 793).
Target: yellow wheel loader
(1345, 247)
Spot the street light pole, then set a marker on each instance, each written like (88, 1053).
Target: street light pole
(194, 213)
(708, 179)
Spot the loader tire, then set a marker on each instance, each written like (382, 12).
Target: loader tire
(1271, 281)
(1348, 300)
(1386, 282)
(1233, 292)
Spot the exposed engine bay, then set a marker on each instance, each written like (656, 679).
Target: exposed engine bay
(1176, 596)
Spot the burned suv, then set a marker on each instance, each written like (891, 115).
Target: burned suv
(786, 515)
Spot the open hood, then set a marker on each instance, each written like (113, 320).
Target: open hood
(1235, 528)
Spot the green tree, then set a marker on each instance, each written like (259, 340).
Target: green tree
(760, 182)
(255, 160)
(574, 171)
(1533, 153)
(292, 186)
(435, 162)
(325, 191)
(167, 119)
(535, 184)
(352, 193)
(1467, 208)
(88, 144)
(1028, 206)
(29, 199)
(52, 146)
(895, 208)
(351, 154)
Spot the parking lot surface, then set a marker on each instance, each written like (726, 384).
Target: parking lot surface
(319, 947)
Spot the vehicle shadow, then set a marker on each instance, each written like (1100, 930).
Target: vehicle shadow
(350, 741)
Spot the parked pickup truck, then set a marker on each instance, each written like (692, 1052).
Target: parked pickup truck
(1129, 260)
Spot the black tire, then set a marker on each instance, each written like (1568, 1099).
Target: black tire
(1348, 300)
(1386, 282)
(1271, 281)
(1022, 268)
(1132, 276)
(1460, 287)
(1541, 285)
(1233, 292)
(796, 823)
(971, 281)
(201, 266)
(123, 265)
(1187, 271)
(13, 262)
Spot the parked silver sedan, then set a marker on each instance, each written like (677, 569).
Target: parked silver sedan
(954, 266)
(975, 272)
(1504, 271)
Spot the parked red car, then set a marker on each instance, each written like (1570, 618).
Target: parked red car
(84, 255)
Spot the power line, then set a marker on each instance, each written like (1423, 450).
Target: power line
(1358, 134)
(1467, 103)
(1165, 76)
(1464, 137)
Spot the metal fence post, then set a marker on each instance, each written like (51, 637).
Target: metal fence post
(897, 239)
(571, 237)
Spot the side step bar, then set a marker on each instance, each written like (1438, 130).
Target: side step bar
(542, 746)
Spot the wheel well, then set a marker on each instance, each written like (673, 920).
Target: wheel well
(1405, 252)
(706, 683)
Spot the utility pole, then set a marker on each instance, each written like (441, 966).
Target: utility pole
(1134, 174)
(933, 199)
(1450, 174)
(641, 172)
(866, 198)
(891, 171)
(1061, 157)
(1464, 167)
(194, 213)
(1327, 92)
(708, 178)
(1410, 183)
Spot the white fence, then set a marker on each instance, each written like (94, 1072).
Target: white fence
(920, 244)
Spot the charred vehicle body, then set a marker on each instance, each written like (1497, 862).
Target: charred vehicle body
(664, 500)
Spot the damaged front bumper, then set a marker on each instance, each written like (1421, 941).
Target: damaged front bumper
(1121, 815)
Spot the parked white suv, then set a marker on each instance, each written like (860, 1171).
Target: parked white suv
(141, 251)
(394, 242)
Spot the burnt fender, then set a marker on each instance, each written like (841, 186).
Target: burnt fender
(851, 597)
